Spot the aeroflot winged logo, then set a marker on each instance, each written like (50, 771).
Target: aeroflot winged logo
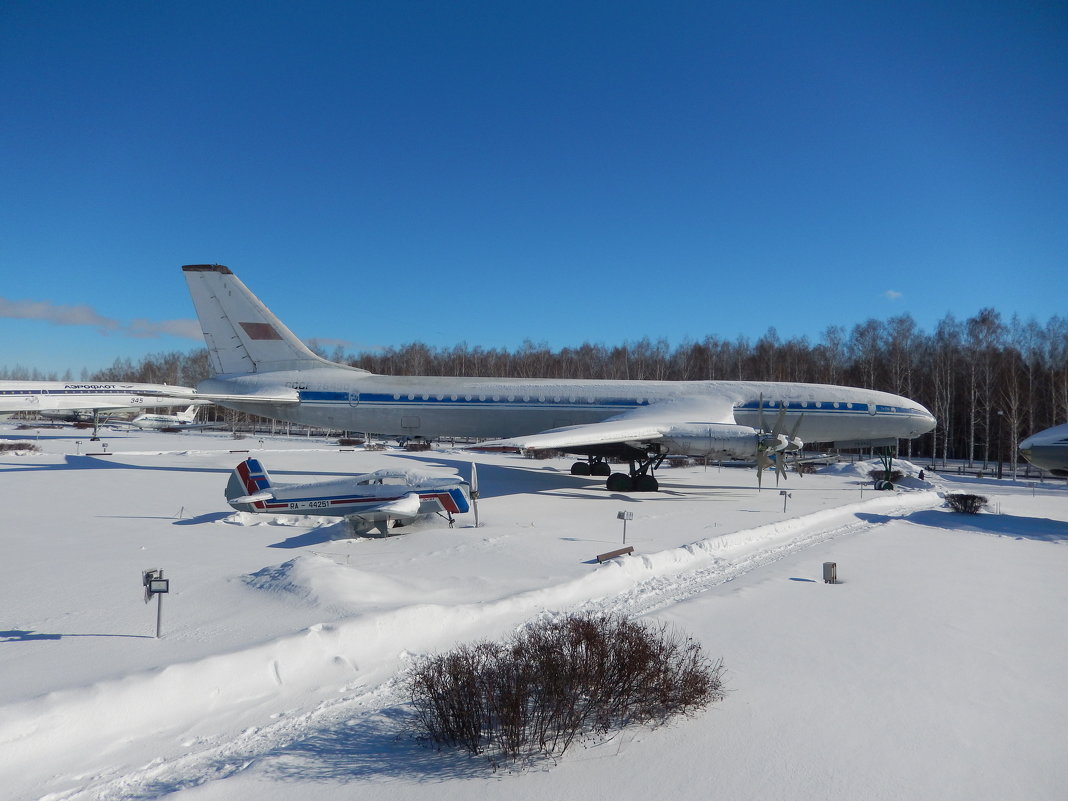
(260, 331)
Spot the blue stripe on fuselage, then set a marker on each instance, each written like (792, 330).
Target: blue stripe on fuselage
(497, 400)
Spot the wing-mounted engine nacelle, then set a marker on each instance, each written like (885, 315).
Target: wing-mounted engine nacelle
(722, 440)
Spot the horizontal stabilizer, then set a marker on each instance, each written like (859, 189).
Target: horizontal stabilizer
(270, 397)
(266, 495)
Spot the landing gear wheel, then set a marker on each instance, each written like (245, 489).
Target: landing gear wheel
(600, 469)
(620, 482)
(646, 483)
(580, 469)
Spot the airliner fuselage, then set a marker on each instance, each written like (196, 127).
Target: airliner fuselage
(435, 406)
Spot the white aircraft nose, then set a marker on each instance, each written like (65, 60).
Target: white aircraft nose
(923, 420)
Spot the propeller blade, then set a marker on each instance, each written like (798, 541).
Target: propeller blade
(762, 462)
(780, 419)
(474, 491)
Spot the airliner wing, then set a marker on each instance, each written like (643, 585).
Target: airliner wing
(647, 424)
(609, 432)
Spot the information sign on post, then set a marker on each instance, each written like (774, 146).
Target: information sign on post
(155, 584)
(624, 516)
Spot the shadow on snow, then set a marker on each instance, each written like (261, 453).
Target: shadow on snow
(1042, 529)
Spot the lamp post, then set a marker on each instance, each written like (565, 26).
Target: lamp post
(1000, 416)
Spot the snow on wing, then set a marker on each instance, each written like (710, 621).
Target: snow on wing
(647, 424)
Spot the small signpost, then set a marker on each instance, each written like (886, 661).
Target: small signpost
(785, 495)
(155, 584)
(624, 516)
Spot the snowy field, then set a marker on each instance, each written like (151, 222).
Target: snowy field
(935, 669)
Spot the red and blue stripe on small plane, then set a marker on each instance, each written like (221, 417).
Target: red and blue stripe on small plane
(255, 479)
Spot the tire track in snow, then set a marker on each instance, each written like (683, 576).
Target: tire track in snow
(684, 574)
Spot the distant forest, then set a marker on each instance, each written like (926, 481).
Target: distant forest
(983, 378)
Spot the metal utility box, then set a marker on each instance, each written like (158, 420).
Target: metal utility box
(830, 572)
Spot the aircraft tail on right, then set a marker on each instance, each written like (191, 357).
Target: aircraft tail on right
(242, 334)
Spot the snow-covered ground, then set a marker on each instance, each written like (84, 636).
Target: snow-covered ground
(934, 669)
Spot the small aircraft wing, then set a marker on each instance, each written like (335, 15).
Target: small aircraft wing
(379, 515)
(403, 508)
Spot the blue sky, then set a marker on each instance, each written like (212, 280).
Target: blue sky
(488, 172)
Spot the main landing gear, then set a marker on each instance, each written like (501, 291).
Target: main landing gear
(639, 479)
(593, 466)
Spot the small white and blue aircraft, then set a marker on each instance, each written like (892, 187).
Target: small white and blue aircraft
(371, 500)
(165, 422)
(261, 367)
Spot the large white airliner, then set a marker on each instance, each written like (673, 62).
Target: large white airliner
(37, 396)
(1048, 449)
(262, 368)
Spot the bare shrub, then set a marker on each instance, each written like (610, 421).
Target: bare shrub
(18, 446)
(557, 681)
(966, 504)
(544, 453)
(881, 475)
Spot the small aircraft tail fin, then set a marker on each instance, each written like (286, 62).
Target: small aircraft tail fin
(248, 478)
(189, 415)
(242, 334)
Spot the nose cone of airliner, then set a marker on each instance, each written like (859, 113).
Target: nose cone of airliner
(923, 420)
(1048, 449)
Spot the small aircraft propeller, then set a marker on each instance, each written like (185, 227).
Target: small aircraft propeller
(474, 491)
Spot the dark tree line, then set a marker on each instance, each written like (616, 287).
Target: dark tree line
(983, 378)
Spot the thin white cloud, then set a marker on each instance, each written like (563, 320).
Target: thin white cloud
(150, 329)
(60, 315)
(84, 315)
(892, 294)
(328, 342)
